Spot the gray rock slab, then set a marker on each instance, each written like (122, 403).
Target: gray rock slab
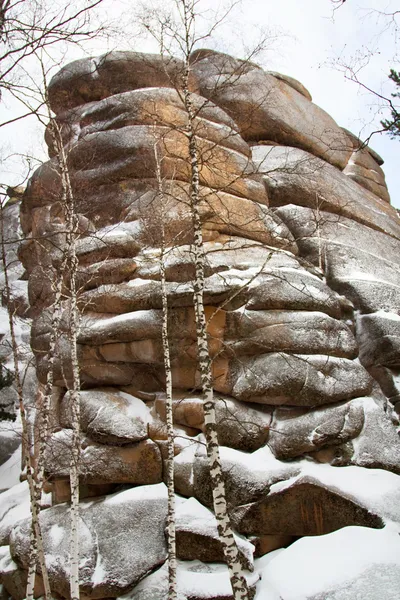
(121, 540)
(294, 432)
(297, 332)
(359, 262)
(379, 338)
(296, 380)
(109, 416)
(293, 176)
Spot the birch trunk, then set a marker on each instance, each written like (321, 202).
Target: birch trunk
(171, 521)
(71, 262)
(36, 549)
(238, 581)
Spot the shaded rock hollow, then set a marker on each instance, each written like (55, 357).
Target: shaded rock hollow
(301, 293)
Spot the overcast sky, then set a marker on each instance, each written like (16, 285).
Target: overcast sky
(308, 39)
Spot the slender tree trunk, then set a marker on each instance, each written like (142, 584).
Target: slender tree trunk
(238, 582)
(36, 549)
(71, 262)
(171, 521)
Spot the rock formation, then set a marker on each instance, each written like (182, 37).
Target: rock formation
(301, 294)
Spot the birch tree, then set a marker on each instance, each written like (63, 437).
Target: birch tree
(64, 295)
(186, 39)
(35, 489)
(70, 265)
(171, 535)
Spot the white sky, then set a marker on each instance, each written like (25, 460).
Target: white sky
(309, 38)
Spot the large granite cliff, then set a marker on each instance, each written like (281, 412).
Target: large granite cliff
(301, 294)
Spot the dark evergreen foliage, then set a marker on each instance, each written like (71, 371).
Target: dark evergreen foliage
(392, 125)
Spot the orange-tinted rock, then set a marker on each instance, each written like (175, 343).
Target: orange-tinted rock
(138, 464)
(91, 79)
(267, 108)
(304, 507)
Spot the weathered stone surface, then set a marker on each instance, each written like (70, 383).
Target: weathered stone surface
(108, 416)
(295, 380)
(197, 536)
(91, 79)
(267, 108)
(292, 176)
(284, 236)
(260, 331)
(296, 432)
(361, 263)
(147, 106)
(138, 464)
(296, 85)
(368, 180)
(268, 543)
(296, 289)
(121, 540)
(247, 476)
(263, 279)
(364, 168)
(378, 446)
(14, 579)
(302, 507)
(379, 339)
(239, 426)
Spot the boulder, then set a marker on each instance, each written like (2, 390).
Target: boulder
(295, 380)
(267, 108)
(379, 338)
(369, 180)
(129, 153)
(247, 476)
(297, 332)
(294, 432)
(288, 288)
(378, 445)
(296, 85)
(14, 579)
(90, 79)
(293, 176)
(152, 105)
(197, 536)
(359, 262)
(121, 540)
(138, 464)
(109, 416)
(302, 507)
(239, 426)
(264, 544)
(14, 506)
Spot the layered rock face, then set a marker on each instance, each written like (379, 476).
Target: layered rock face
(302, 252)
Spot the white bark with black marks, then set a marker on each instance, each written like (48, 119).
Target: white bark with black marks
(171, 519)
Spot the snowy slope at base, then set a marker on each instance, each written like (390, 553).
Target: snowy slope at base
(351, 563)
(11, 470)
